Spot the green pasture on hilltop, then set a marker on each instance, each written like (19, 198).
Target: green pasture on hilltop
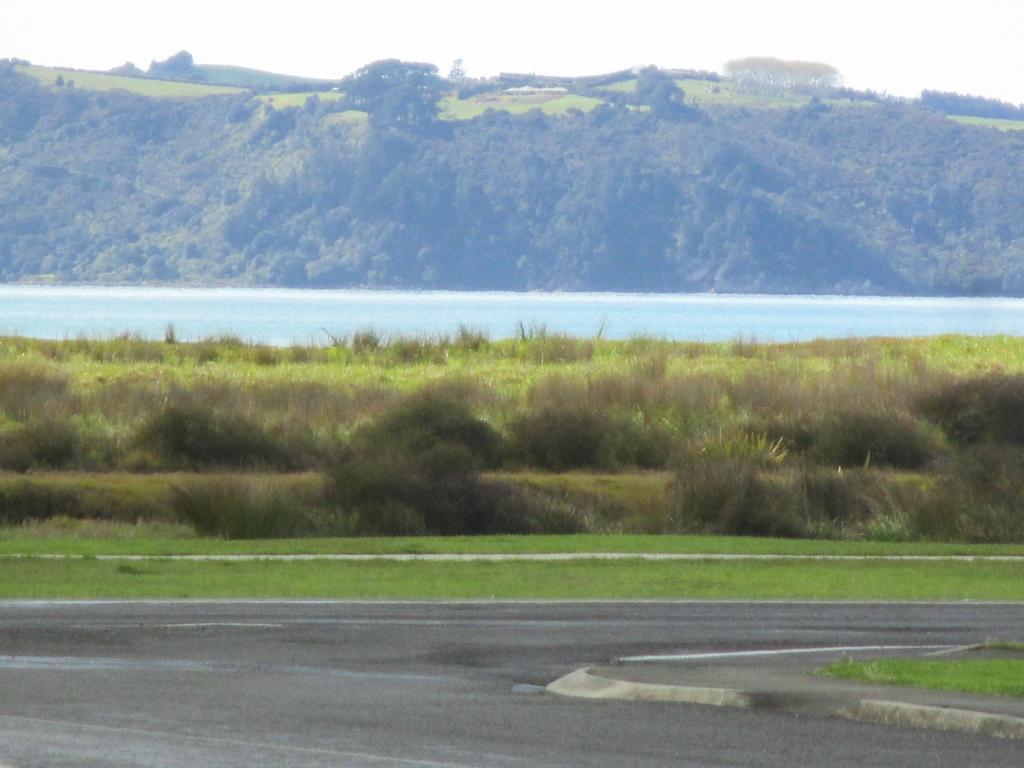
(246, 77)
(100, 81)
(990, 122)
(725, 93)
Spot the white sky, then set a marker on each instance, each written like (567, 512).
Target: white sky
(886, 45)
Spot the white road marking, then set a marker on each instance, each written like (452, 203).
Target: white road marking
(778, 652)
(204, 624)
(538, 557)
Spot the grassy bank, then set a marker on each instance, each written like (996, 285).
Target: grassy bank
(855, 439)
(632, 579)
(1000, 677)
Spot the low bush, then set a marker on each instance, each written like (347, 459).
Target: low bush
(80, 497)
(427, 420)
(433, 491)
(732, 496)
(983, 408)
(557, 439)
(414, 471)
(25, 501)
(979, 499)
(575, 437)
(739, 497)
(40, 443)
(247, 508)
(855, 439)
(193, 436)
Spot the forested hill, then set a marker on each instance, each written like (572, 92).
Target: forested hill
(637, 191)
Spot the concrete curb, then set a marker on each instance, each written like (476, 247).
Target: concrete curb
(939, 718)
(583, 684)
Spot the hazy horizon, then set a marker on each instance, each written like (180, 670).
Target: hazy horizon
(887, 47)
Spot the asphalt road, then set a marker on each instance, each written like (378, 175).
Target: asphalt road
(442, 684)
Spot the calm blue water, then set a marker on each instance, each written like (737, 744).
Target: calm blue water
(279, 316)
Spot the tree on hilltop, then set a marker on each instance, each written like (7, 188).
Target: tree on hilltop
(660, 92)
(776, 77)
(395, 93)
(180, 66)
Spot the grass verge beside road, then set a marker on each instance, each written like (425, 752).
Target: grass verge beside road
(1003, 677)
(23, 540)
(576, 580)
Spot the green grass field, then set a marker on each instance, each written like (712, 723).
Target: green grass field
(245, 77)
(990, 122)
(723, 93)
(1002, 677)
(98, 81)
(631, 579)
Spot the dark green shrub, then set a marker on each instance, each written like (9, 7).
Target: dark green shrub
(985, 408)
(25, 500)
(796, 434)
(732, 497)
(835, 501)
(242, 508)
(425, 421)
(431, 493)
(563, 438)
(979, 499)
(414, 471)
(187, 435)
(739, 497)
(856, 439)
(45, 496)
(40, 443)
(645, 446)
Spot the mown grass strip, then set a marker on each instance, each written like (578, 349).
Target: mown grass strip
(631, 579)
(13, 544)
(1003, 677)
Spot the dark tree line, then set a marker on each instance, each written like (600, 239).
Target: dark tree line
(970, 106)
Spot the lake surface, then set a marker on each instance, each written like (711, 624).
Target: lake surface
(279, 316)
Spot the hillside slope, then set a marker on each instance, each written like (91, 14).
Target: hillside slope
(111, 187)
